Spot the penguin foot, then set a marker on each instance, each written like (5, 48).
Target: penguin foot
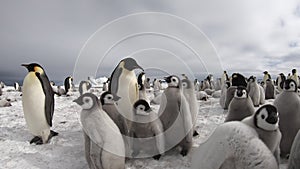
(37, 140)
(52, 134)
(195, 133)
(157, 157)
(184, 152)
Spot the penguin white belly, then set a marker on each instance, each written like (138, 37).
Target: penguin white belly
(33, 100)
(128, 92)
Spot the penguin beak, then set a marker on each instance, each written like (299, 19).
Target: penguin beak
(78, 101)
(138, 67)
(168, 79)
(25, 65)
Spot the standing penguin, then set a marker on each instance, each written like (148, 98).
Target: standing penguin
(104, 146)
(295, 77)
(223, 94)
(176, 117)
(189, 93)
(38, 103)
(84, 86)
(124, 84)
(141, 86)
(265, 121)
(253, 90)
(241, 106)
(266, 76)
(224, 78)
(294, 160)
(147, 131)
(288, 106)
(279, 81)
(68, 84)
(108, 102)
(233, 145)
(270, 90)
(17, 86)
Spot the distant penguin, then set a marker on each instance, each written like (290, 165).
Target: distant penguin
(84, 86)
(224, 78)
(279, 81)
(2, 85)
(156, 87)
(262, 99)
(1, 91)
(108, 102)
(202, 95)
(238, 79)
(294, 159)
(266, 76)
(295, 77)
(104, 145)
(68, 84)
(4, 102)
(141, 86)
(241, 106)
(147, 83)
(105, 86)
(233, 145)
(61, 91)
(124, 84)
(38, 103)
(288, 106)
(147, 131)
(270, 90)
(189, 93)
(17, 86)
(223, 94)
(253, 90)
(218, 84)
(265, 121)
(176, 117)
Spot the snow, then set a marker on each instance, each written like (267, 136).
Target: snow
(67, 151)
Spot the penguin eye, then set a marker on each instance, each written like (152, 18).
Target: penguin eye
(292, 84)
(174, 80)
(184, 84)
(86, 100)
(109, 97)
(263, 116)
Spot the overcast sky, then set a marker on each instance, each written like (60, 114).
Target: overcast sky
(192, 37)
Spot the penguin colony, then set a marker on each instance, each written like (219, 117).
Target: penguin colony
(121, 123)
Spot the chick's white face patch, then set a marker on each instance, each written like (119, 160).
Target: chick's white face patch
(87, 103)
(263, 124)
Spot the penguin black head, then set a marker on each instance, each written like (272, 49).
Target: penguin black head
(141, 78)
(241, 92)
(265, 72)
(186, 84)
(266, 118)
(130, 64)
(294, 71)
(87, 101)
(34, 67)
(108, 98)
(251, 79)
(290, 85)
(141, 107)
(238, 80)
(173, 81)
(227, 84)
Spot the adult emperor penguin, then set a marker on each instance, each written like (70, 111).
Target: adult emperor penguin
(189, 93)
(124, 84)
(265, 121)
(147, 131)
(176, 117)
(266, 76)
(237, 79)
(233, 145)
(241, 106)
(223, 94)
(38, 103)
(253, 90)
(294, 159)
(288, 106)
(68, 84)
(84, 86)
(270, 90)
(104, 145)
(17, 86)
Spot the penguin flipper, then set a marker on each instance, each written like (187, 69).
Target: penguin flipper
(49, 97)
(113, 85)
(187, 118)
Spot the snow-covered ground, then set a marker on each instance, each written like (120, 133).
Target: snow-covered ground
(67, 151)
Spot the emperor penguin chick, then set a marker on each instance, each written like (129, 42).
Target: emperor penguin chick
(265, 121)
(294, 160)
(147, 131)
(288, 106)
(241, 106)
(233, 145)
(104, 146)
(175, 116)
